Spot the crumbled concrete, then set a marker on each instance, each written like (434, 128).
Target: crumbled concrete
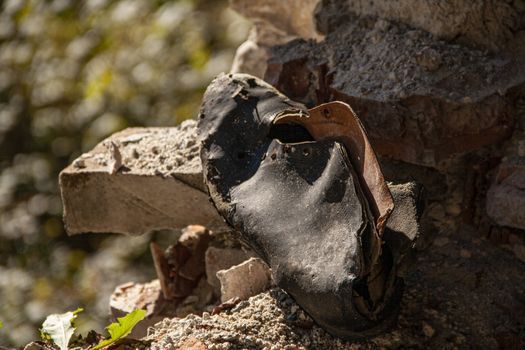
(222, 259)
(156, 184)
(244, 280)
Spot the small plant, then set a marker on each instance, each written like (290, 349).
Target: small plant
(122, 327)
(59, 328)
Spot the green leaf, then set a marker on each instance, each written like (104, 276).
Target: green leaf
(122, 327)
(60, 328)
(1, 325)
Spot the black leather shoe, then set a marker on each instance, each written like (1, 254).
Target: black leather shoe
(304, 190)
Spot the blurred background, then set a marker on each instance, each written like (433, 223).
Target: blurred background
(71, 73)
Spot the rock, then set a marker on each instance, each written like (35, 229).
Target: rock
(275, 22)
(258, 323)
(429, 58)
(182, 265)
(244, 280)
(436, 211)
(491, 24)
(250, 58)
(506, 195)
(428, 330)
(150, 191)
(222, 259)
(453, 209)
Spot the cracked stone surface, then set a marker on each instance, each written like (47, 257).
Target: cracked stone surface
(136, 181)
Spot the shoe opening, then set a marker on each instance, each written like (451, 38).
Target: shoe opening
(290, 133)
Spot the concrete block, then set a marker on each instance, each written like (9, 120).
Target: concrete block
(244, 280)
(136, 181)
(221, 259)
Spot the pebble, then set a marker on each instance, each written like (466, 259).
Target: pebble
(79, 163)
(428, 330)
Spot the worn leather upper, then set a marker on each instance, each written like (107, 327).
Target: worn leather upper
(284, 179)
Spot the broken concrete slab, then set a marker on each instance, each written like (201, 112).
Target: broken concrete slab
(244, 280)
(222, 259)
(137, 181)
(506, 196)
(421, 99)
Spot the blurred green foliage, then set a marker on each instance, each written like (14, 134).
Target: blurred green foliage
(72, 73)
